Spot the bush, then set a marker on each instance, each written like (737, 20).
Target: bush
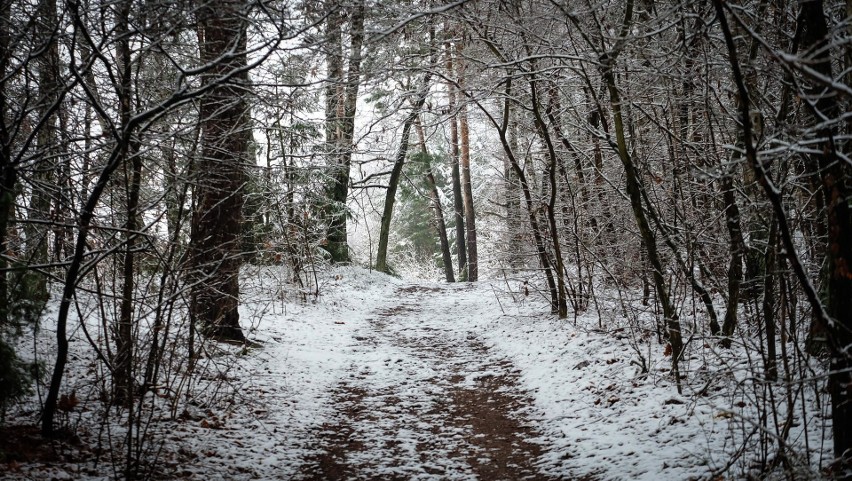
(15, 378)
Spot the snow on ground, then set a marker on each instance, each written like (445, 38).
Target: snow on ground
(305, 351)
(390, 365)
(418, 400)
(601, 415)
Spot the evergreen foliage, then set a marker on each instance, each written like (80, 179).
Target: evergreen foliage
(25, 307)
(16, 377)
(414, 224)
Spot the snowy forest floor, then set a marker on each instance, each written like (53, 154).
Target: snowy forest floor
(379, 378)
(439, 404)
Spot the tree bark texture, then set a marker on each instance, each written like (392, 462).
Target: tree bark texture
(123, 362)
(458, 203)
(220, 174)
(341, 101)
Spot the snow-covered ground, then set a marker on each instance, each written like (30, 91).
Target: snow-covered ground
(374, 376)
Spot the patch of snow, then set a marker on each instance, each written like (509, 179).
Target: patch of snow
(354, 359)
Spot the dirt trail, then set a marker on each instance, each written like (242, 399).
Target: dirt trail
(433, 404)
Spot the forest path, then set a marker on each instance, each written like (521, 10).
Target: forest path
(425, 400)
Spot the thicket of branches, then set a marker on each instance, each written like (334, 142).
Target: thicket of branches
(692, 157)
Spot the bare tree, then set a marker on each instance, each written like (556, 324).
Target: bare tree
(437, 208)
(396, 172)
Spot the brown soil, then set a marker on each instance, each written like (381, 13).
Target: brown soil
(486, 412)
(24, 444)
(503, 437)
(330, 463)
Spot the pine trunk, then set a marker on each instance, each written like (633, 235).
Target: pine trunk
(341, 101)
(467, 196)
(220, 174)
(458, 203)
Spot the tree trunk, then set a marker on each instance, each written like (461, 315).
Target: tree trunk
(437, 209)
(681, 161)
(123, 362)
(514, 222)
(467, 189)
(554, 104)
(634, 192)
(757, 230)
(220, 176)
(396, 173)
(467, 196)
(597, 119)
(562, 304)
(739, 250)
(341, 101)
(768, 304)
(578, 295)
(458, 203)
(835, 315)
(735, 265)
(8, 172)
(837, 189)
(45, 172)
(338, 184)
(538, 238)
